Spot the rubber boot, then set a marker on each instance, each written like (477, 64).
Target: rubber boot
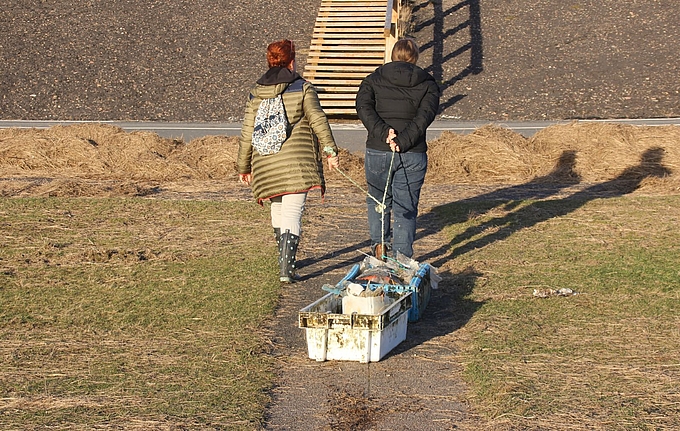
(287, 251)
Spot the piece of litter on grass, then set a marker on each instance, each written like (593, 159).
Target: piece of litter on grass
(545, 293)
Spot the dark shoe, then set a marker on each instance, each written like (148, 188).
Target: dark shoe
(287, 250)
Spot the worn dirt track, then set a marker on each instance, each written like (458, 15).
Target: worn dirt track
(417, 386)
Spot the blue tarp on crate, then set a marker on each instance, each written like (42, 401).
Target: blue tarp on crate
(410, 276)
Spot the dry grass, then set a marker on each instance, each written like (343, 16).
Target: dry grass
(134, 314)
(603, 359)
(65, 158)
(576, 152)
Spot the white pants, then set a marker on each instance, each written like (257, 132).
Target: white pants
(287, 212)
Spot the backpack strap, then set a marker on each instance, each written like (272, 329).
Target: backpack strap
(296, 85)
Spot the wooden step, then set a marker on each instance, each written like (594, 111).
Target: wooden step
(353, 3)
(339, 103)
(357, 55)
(337, 82)
(348, 44)
(326, 10)
(318, 77)
(340, 68)
(365, 11)
(350, 24)
(337, 90)
(343, 35)
(356, 5)
(318, 48)
(353, 20)
(337, 96)
(356, 33)
(345, 112)
(331, 63)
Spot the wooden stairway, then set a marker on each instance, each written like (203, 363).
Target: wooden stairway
(348, 43)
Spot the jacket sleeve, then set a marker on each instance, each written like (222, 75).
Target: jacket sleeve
(317, 118)
(365, 106)
(245, 143)
(416, 129)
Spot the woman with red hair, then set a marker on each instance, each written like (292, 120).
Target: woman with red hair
(285, 177)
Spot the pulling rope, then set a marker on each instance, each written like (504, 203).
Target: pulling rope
(380, 207)
(382, 212)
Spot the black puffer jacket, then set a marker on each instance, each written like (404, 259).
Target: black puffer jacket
(399, 96)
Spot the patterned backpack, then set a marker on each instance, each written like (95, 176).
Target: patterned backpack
(271, 126)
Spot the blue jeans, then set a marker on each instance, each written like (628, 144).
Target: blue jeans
(403, 193)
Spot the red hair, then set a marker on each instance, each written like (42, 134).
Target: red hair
(280, 53)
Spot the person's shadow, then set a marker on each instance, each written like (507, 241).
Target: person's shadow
(562, 176)
(450, 306)
(500, 228)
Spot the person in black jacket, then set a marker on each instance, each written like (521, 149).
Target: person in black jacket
(396, 104)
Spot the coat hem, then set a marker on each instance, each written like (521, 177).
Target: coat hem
(322, 188)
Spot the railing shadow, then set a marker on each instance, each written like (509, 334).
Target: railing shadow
(514, 220)
(443, 30)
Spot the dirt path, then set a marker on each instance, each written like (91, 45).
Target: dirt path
(416, 386)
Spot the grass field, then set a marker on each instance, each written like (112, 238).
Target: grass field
(149, 314)
(607, 357)
(134, 313)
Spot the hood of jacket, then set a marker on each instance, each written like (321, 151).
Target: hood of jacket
(403, 74)
(274, 82)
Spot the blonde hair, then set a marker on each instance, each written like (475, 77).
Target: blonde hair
(405, 50)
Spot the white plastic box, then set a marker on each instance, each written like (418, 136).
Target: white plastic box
(332, 335)
(364, 305)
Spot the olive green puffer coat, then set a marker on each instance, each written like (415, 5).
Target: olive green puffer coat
(298, 167)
